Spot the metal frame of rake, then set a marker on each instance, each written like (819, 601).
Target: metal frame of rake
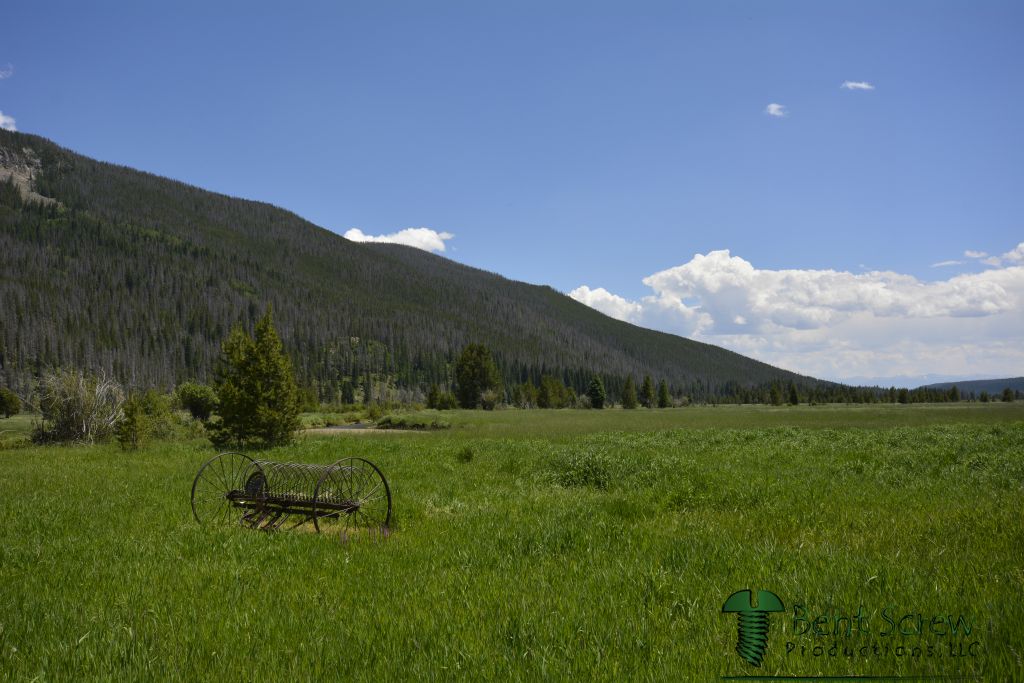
(349, 497)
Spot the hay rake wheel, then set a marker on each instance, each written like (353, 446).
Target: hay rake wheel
(353, 499)
(222, 485)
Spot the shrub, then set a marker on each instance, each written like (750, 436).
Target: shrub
(10, 404)
(465, 455)
(134, 427)
(198, 399)
(77, 406)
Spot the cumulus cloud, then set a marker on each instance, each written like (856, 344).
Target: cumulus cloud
(610, 304)
(776, 109)
(421, 238)
(857, 85)
(836, 324)
(7, 122)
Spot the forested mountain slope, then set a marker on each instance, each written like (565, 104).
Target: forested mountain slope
(143, 277)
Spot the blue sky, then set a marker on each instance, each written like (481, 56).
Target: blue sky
(599, 144)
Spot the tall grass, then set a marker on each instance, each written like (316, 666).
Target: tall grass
(555, 550)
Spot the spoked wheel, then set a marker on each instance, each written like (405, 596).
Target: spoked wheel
(352, 499)
(228, 490)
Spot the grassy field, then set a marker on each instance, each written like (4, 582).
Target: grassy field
(534, 545)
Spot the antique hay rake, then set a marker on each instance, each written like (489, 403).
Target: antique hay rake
(350, 497)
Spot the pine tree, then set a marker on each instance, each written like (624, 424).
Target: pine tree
(475, 373)
(647, 392)
(775, 395)
(1007, 395)
(596, 393)
(433, 397)
(794, 397)
(954, 393)
(256, 391)
(629, 400)
(664, 400)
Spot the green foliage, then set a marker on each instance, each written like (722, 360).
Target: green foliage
(10, 404)
(596, 393)
(414, 422)
(983, 397)
(465, 455)
(629, 399)
(664, 400)
(198, 399)
(433, 397)
(775, 395)
(794, 397)
(475, 374)
(954, 393)
(552, 393)
(257, 397)
(647, 392)
(525, 395)
(1007, 395)
(135, 426)
(77, 406)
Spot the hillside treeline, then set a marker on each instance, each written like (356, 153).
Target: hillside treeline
(143, 277)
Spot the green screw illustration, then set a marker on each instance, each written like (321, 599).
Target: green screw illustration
(753, 630)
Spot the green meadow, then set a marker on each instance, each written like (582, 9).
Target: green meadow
(534, 545)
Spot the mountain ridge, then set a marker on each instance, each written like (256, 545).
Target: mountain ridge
(166, 268)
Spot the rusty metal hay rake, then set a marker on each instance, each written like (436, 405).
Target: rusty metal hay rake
(350, 497)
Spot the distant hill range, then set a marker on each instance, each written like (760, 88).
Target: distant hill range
(106, 267)
(992, 386)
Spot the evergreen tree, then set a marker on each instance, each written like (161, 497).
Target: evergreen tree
(433, 397)
(134, 427)
(1007, 395)
(596, 393)
(647, 392)
(775, 395)
(256, 391)
(475, 373)
(629, 399)
(664, 400)
(954, 393)
(983, 397)
(10, 404)
(903, 396)
(794, 397)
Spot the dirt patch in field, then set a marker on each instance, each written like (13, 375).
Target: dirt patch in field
(335, 431)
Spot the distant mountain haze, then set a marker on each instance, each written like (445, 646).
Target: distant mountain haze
(106, 267)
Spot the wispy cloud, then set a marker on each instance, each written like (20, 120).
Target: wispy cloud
(1014, 256)
(776, 109)
(420, 238)
(7, 72)
(943, 264)
(837, 324)
(857, 85)
(7, 122)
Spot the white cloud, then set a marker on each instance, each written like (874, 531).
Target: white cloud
(421, 238)
(857, 85)
(942, 264)
(975, 254)
(776, 109)
(837, 324)
(1015, 255)
(7, 122)
(610, 304)
(7, 73)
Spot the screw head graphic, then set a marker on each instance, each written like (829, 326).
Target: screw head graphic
(753, 622)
